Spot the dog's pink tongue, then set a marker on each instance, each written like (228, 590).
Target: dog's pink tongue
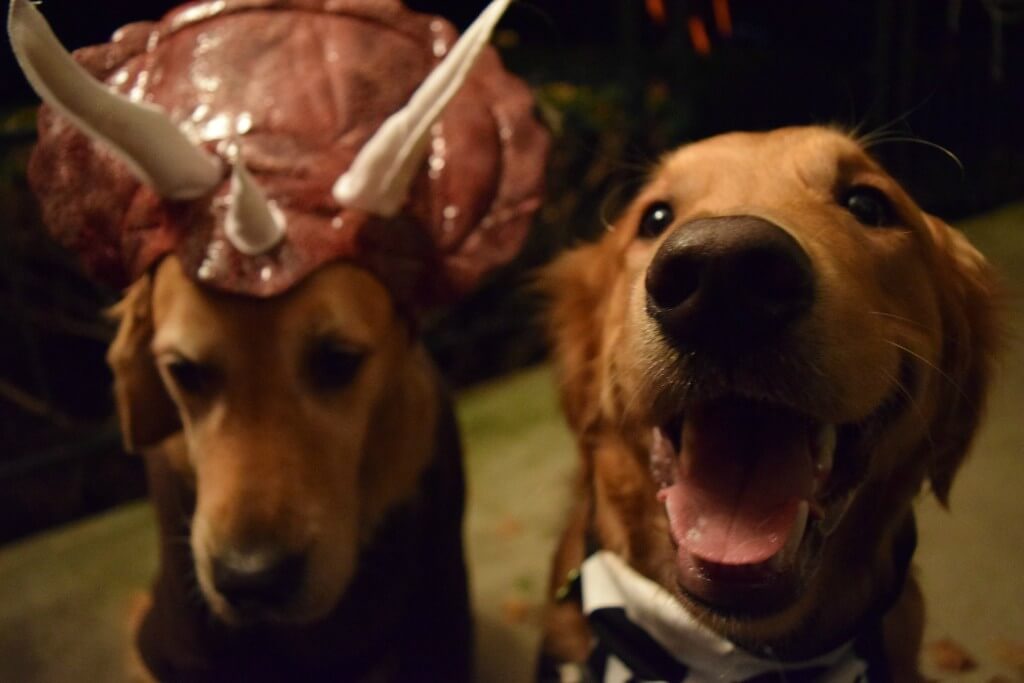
(743, 470)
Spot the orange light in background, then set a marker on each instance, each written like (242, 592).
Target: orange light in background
(699, 36)
(723, 17)
(656, 8)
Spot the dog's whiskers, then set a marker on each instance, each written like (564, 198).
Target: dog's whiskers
(942, 373)
(915, 323)
(915, 407)
(614, 198)
(883, 140)
(889, 127)
(865, 139)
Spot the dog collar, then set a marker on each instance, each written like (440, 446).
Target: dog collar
(643, 633)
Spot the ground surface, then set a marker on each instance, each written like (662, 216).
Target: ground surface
(64, 596)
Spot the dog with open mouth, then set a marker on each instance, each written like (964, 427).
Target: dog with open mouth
(764, 361)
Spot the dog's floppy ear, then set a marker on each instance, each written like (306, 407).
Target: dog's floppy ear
(969, 289)
(146, 411)
(576, 285)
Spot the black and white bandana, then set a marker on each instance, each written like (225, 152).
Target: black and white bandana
(643, 633)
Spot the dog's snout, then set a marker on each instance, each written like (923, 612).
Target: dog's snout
(728, 280)
(258, 580)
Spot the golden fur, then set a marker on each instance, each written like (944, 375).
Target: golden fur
(913, 294)
(275, 461)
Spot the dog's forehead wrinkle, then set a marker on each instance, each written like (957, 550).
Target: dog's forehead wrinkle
(344, 301)
(816, 175)
(820, 163)
(179, 337)
(345, 333)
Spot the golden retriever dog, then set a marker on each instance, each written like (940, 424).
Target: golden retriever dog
(764, 361)
(287, 189)
(306, 471)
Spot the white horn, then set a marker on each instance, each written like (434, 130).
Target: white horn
(254, 225)
(141, 134)
(378, 180)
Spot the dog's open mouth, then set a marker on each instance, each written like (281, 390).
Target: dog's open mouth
(748, 490)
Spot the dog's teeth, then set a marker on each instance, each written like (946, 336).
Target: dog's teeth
(836, 514)
(785, 557)
(662, 459)
(788, 553)
(826, 451)
(686, 456)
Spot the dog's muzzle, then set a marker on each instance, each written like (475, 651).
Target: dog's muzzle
(255, 582)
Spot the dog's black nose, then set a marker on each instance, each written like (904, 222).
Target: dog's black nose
(728, 281)
(258, 580)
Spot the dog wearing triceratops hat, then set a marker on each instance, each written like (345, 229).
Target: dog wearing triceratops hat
(284, 187)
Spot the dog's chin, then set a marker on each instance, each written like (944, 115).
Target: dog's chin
(741, 592)
(308, 606)
(299, 612)
(752, 491)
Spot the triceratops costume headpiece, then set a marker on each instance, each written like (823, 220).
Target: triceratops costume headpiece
(260, 139)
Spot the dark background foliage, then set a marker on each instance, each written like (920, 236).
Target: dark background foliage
(618, 82)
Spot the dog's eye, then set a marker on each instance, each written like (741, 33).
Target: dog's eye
(657, 218)
(190, 377)
(332, 365)
(868, 205)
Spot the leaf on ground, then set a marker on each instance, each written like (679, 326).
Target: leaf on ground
(951, 657)
(509, 527)
(515, 610)
(524, 584)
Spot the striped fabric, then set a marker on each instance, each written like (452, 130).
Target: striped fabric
(644, 634)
